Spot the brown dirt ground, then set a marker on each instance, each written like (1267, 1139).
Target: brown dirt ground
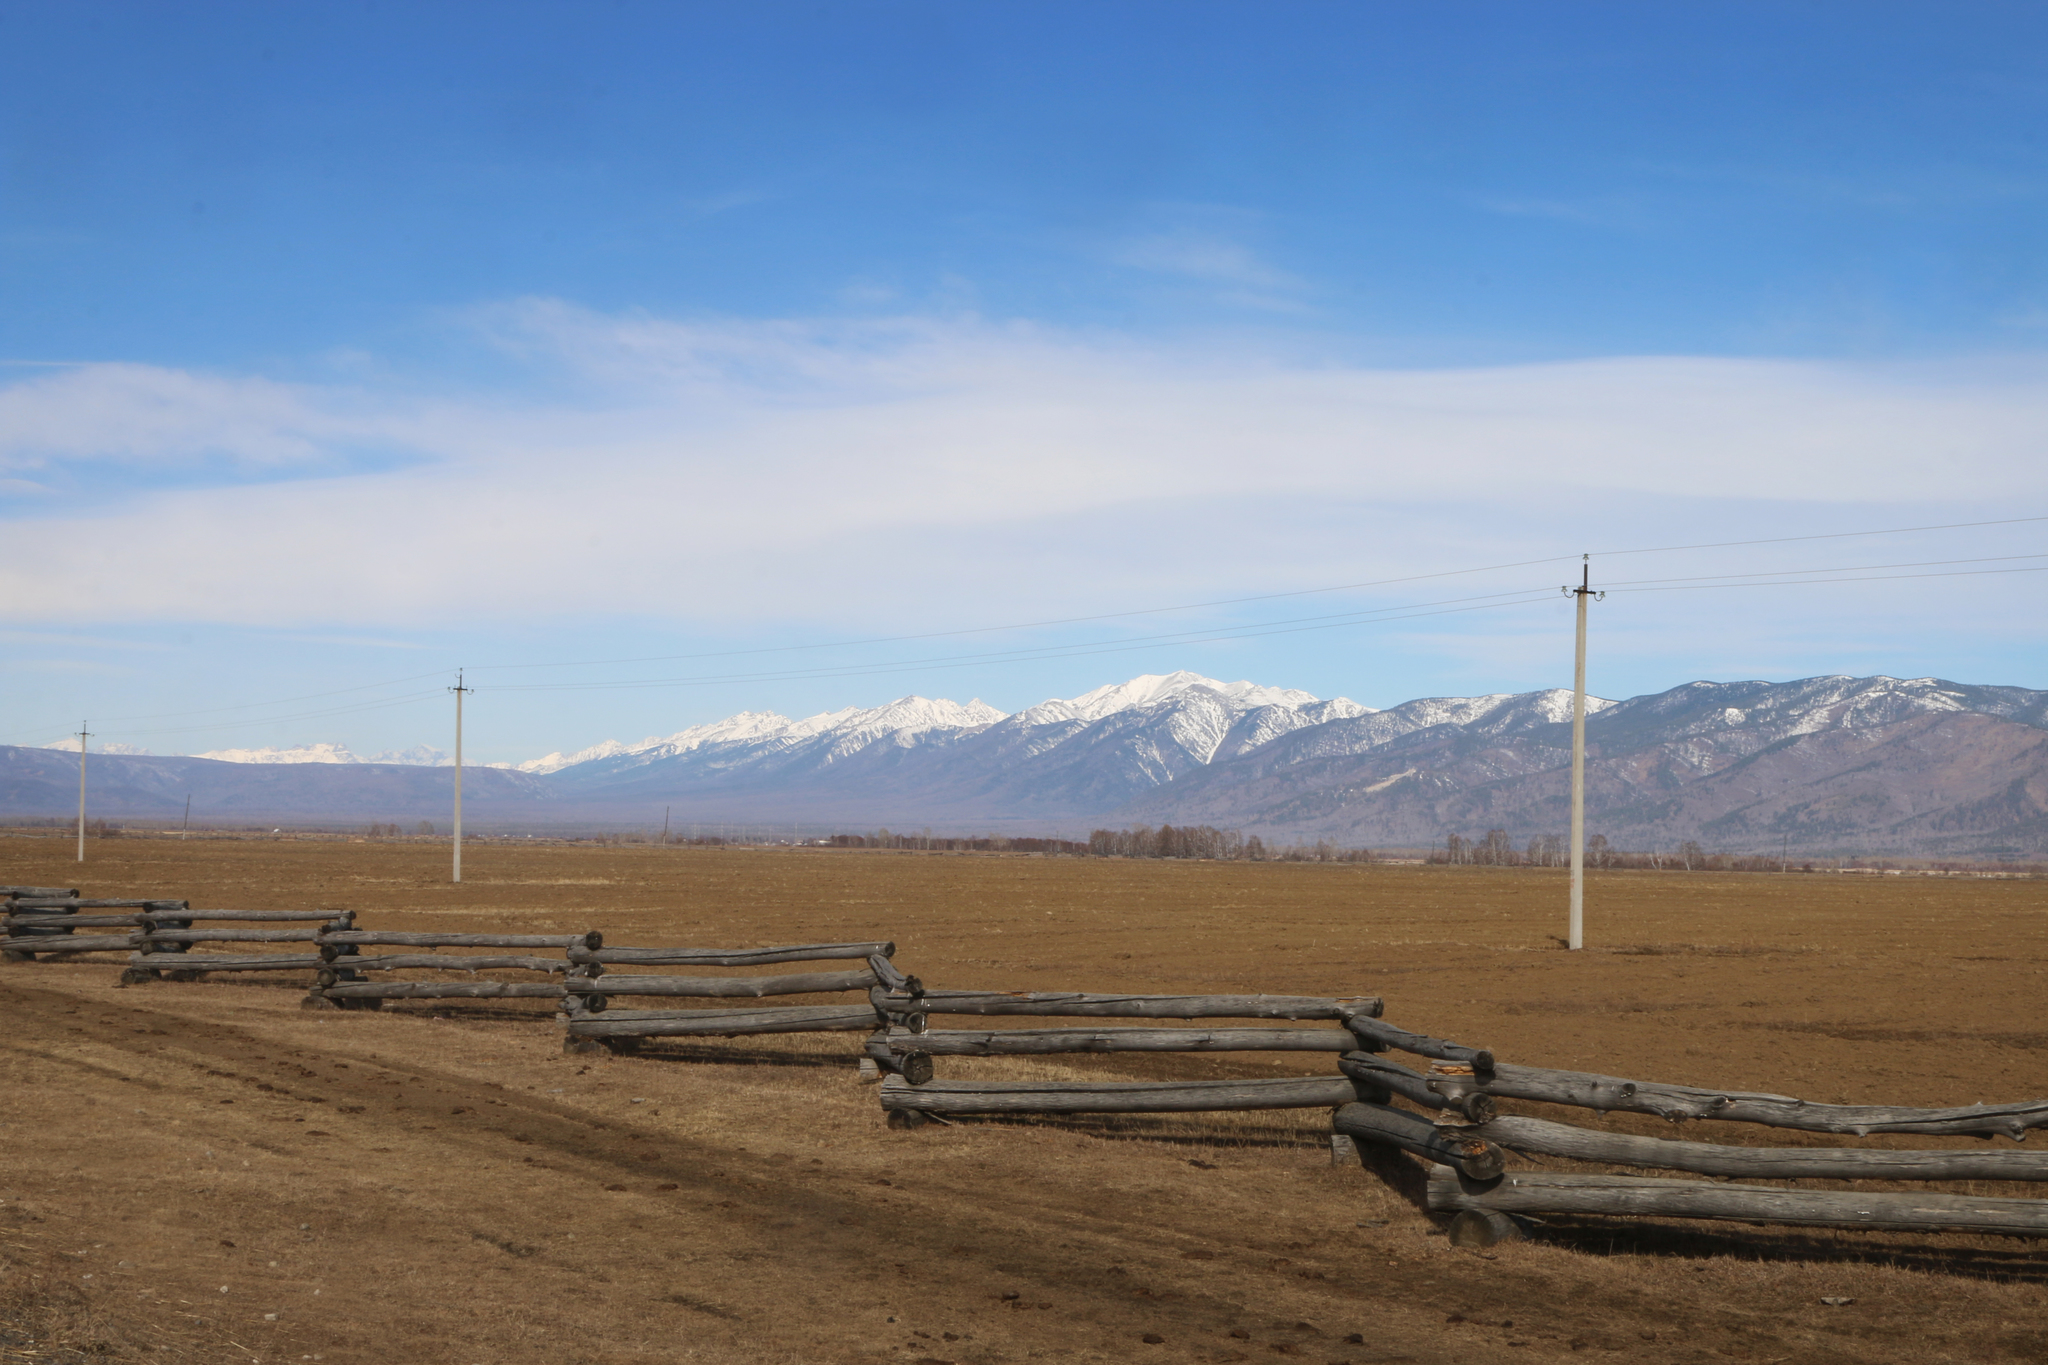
(180, 1162)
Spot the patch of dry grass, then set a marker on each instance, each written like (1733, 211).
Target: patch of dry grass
(469, 1194)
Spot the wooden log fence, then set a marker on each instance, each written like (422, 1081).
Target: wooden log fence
(1462, 1085)
(1116, 1097)
(1540, 1137)
(906, 1047)
(591, 1024)
(1463, 1150)
(1553, 1194)
(1044, 1042)
(1459, 1130)
(39, 925)
(1078, 1005)
(732, 957)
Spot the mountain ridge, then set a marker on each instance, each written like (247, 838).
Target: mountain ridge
(1869, 764)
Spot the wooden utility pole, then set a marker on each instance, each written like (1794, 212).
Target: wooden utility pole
(185, 827)
(459, 690)
(83, 733)
(1575, 930)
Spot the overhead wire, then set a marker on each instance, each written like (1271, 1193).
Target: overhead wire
(1209, 635)
(1241, 601)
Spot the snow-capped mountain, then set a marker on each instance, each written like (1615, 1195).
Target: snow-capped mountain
(419, 756)
(1821, 764)
(1149, 688)
(853, 726)
(745, 725)
(1870, 764)
(1123, 739)
(71, 744)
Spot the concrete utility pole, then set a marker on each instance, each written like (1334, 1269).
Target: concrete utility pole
(458, 690)
(1575, 931)
(82, 734)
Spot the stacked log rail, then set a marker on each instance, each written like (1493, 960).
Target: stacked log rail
(592, 1024)
(1465, 1139)
(12, 898)
(159, 934)
(46, 919)
(1459, 1130)
(906, 1049)
(164, 942)
(341, 981)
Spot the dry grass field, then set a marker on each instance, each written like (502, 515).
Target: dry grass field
(203, 1172)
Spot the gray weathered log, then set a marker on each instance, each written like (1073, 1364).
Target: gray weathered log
(1544, 1138)
(1111, 1097)
(18, 924)
(37, 922)
(443, 990)
(97, 943)
(229, 936)
(1378, 1034)
(381, 938)
(223, 962)
(28, 905)
(722, 1023)
(1058, 1003)
(252, 916)
(732, 957)
(1391, 1127)
(392, 962)
(1041, 1041)
(39, 892)
(1542, 1192)
(1680, 1102)
(1374, 1070)
(730, 987)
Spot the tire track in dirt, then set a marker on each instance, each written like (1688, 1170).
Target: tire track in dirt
(927, 1243)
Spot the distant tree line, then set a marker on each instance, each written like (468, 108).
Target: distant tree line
(1139, 841)
(985, 843)
(1551, 850)
(1206, 841)
(392, 831)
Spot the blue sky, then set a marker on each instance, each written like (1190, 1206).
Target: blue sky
(349, 344)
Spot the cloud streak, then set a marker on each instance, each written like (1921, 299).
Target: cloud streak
(719, 470)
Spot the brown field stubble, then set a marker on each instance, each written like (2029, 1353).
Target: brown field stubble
(440, 1184)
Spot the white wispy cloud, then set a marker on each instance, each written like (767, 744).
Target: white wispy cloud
(731, 469)
(149, 415)
(1204, 256)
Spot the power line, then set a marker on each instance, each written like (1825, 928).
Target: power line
(1807, 582)
(1826, 535)
(1219, 634)
(1261, 597)
(1843, 568)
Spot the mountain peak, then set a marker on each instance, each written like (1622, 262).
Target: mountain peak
(1148, 689)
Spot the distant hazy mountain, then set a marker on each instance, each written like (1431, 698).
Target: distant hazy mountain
(1823, 764)
(419, 756)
